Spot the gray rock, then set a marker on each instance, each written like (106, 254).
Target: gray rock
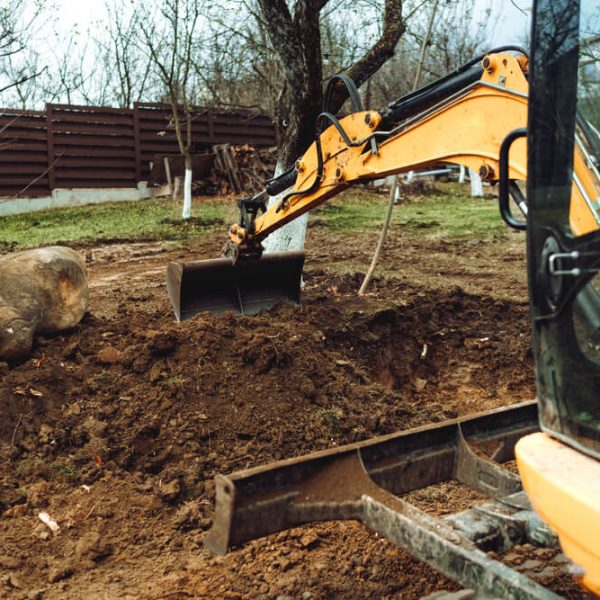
(42, 291)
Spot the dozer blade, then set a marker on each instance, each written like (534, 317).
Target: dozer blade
(246, 287)
(363, 482)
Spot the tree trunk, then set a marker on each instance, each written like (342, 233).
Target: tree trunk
(296, 38)
(476, 184)
(187, 187)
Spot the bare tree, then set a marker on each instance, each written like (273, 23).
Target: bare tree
(295, 34)
(296, 37)
(17, 23)
(168, 38)
(118, 47)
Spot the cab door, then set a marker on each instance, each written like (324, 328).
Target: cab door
(563, 239)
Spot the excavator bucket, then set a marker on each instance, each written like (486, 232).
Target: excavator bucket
(246, 287)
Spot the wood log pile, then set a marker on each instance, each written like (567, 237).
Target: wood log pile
(238, 170)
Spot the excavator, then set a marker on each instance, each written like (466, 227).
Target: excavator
(513, 118)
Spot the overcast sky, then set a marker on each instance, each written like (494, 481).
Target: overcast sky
(512, 23)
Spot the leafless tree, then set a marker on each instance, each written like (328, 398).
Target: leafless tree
(118, 49)
(17, 23)
(169, 40)
(296, 37)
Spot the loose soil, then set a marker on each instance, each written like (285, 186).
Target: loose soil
(117, 429)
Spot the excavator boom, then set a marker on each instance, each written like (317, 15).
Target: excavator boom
(461, 119)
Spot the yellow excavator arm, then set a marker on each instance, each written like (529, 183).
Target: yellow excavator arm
(476, 117)
(466, 128)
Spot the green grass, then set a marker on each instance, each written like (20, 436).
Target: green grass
(123, 221)
(448, 212)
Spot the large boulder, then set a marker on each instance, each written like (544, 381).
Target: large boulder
(42, 291)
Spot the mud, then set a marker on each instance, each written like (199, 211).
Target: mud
(118, 428)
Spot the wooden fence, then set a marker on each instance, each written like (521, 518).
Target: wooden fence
(69, 146)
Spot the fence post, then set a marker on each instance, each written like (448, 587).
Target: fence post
(137, 143)
(50, 138)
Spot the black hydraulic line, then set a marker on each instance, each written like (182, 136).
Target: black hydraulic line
(325, 116)
(351, 88)
(315, 184)
(398, 110)
(426, 96)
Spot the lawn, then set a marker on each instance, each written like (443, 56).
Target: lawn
(447, 212)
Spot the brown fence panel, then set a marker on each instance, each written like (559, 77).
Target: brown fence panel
(92, 147)
(209, 126)
(69, 146)
(156, 134)
(23, 153)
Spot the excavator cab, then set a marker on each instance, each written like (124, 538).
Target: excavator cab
(560, 466)
(555, 499)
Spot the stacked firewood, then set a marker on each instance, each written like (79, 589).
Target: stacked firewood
(238, 170)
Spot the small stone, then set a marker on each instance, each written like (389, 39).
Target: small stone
(531, 565)
(70, 349)
(109, 355)
(74, 409)
(309, 540)
(35, 595)
(562, 559)
(169, 491)
(45, 434)
(419, 384)
(15, 582)
(281, 536)
(513, 558)
(60, 572)
(41, 531)
(20, 510)
(307, 596)
(156, 372)
(91, 547)
(9, 562)
(285, 564)
(544, 553)
(4, 368)
(162, 344)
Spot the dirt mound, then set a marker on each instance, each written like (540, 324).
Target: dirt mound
(139, 394)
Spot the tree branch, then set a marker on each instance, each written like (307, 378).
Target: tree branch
(380, 52)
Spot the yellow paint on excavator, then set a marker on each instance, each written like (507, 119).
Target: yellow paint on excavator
(563, 486)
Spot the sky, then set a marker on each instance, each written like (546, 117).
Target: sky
(511, 27)
(85, 17)
(513, 22)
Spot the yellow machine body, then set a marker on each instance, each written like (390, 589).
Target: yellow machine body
(563, 486)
